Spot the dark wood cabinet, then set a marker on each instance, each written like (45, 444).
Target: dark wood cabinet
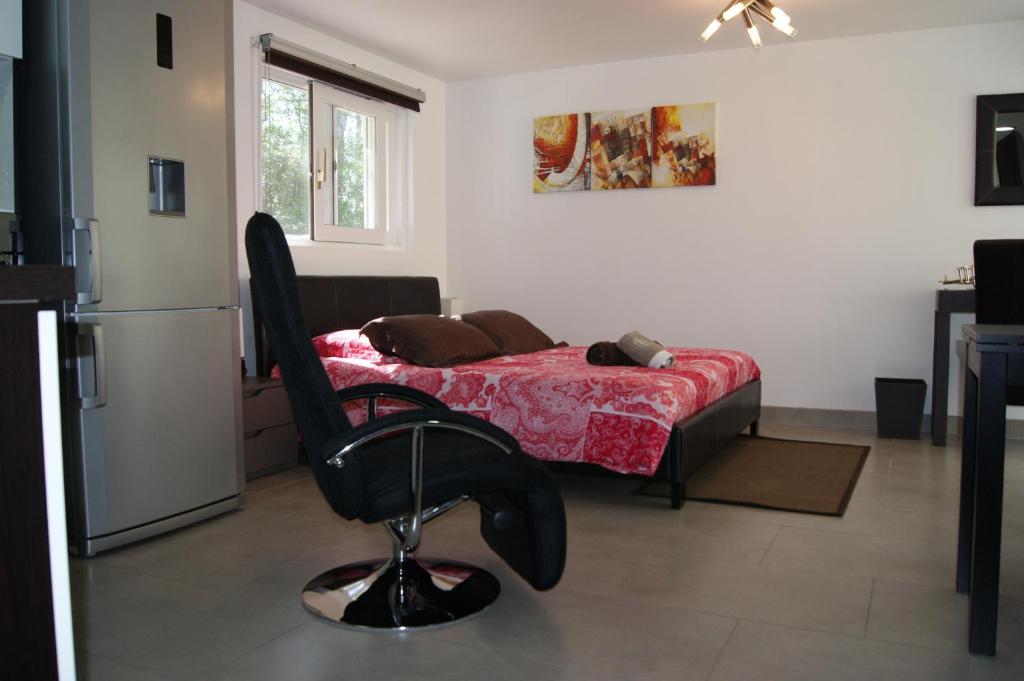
(28, 640)
(268, 426)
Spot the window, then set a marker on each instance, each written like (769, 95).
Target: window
(331, 162)
(284, 151)
(354, 183)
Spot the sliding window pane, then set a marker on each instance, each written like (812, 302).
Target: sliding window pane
(284, 155)
(354, 169)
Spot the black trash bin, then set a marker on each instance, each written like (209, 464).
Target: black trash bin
(899, 404)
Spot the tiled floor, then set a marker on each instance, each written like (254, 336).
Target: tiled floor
(711, 592)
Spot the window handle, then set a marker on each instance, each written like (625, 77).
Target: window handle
(321, 170)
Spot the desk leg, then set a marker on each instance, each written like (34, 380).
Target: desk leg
(967, 469)
(940, 378)
(988, 502)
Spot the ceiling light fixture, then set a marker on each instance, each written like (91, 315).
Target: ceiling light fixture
(755, 36)
(762, 8)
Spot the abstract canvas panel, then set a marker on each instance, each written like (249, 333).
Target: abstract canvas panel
(620, 147)
(684, 145)
(663, 146)
(561, 153)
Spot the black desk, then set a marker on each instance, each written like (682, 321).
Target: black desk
(947, 301)
(995, 361)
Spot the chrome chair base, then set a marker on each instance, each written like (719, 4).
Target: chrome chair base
(400, 594)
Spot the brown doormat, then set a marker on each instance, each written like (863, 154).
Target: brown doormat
(787, 475)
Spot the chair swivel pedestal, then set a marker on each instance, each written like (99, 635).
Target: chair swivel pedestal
(403, 591)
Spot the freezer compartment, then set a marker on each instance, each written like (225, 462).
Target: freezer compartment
(156, 415)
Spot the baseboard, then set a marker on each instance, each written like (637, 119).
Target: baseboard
(862, 420)
(822, 418)
(1014, 427)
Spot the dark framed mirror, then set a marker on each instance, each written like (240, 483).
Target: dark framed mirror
(999, 155)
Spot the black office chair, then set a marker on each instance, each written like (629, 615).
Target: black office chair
(999, 289)
(403, 470)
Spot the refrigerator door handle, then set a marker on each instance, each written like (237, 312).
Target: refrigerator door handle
(88, 257)
(99, 354)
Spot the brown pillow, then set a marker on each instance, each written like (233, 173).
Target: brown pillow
(512, 333)
(429, 340)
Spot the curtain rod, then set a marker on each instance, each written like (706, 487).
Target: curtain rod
(269, 41)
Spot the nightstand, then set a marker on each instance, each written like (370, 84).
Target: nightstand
(268, 427)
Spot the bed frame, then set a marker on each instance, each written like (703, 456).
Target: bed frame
(343, 302)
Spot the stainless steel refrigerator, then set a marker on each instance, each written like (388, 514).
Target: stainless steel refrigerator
(123, 170)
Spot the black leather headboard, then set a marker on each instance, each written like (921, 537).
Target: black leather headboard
(342, 302)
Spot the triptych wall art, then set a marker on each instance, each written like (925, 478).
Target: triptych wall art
(664, 146)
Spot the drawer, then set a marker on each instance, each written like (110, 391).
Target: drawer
(270, 450)
(265, 408)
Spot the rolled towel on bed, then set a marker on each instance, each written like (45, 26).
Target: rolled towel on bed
(608, 354)
(645, 351)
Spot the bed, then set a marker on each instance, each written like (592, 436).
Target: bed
(651, 424)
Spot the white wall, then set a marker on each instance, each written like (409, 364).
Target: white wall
(845, 191)
(424, 251)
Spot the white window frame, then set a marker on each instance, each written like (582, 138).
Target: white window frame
(393, 162)
(324, 99)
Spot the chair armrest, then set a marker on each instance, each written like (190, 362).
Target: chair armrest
(407, 531)
(373, 391)
(438, 419)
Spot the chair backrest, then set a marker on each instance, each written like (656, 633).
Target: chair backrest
(999, 281)
(318, 412)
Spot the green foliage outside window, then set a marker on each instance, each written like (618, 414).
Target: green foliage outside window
(350, 134)
(284, 155)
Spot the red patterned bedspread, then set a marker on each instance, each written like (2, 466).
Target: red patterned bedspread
(562, 409)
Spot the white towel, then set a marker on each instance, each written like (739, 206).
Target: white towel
(645, 351)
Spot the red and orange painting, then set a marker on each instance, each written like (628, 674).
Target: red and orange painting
(684, 145)
(664, 146)
(620, 148)
(561, 153)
